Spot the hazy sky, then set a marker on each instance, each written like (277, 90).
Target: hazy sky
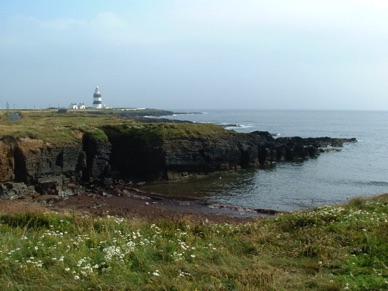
(202, 54)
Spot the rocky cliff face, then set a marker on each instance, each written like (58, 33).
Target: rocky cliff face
(30, 165)
(203, 155)
(50, 169)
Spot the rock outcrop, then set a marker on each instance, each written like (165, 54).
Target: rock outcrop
(51, 169)
(30, 166)
(203, 155)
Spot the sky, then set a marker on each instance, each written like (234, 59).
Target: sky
(202, 54)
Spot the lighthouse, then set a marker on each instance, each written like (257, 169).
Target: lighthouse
(97, 100)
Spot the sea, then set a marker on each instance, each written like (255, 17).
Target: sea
(358, 170)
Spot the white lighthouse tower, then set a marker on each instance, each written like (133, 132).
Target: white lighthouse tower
(97, 100)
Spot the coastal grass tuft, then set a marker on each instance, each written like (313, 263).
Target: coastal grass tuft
(328, 248)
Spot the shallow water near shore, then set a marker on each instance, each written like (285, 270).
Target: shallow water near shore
(359, 169)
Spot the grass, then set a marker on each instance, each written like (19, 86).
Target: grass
(56, 128)
(157, 132)
(328, 248)
(65, 128)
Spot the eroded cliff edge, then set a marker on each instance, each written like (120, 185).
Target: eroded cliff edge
(140, 151)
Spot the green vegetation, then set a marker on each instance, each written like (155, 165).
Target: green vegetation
(94, 132)
(54, 127)
(193, 130)
(65, 128)
(328, 248)
(161, 130)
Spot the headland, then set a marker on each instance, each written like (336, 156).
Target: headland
(53, 155)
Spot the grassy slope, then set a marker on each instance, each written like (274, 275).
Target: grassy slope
(329, 248)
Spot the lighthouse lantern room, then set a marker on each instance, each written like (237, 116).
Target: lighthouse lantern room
(97, 100)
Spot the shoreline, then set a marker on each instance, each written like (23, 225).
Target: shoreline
(128, 202)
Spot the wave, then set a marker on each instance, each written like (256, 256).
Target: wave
(368, 183)
(234, 126)
(377, 183)
(177, 114)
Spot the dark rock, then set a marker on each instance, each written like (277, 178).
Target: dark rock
(265, 134)
(94, 159)
(15, 190)
(204, 155)
(51, 185)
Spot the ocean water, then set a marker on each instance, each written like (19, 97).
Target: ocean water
(358, 170)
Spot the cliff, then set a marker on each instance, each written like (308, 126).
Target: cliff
(139, 151)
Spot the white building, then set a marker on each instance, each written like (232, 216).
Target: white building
(74, 106)
(97, 100)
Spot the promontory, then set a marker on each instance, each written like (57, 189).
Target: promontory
(55, 152)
